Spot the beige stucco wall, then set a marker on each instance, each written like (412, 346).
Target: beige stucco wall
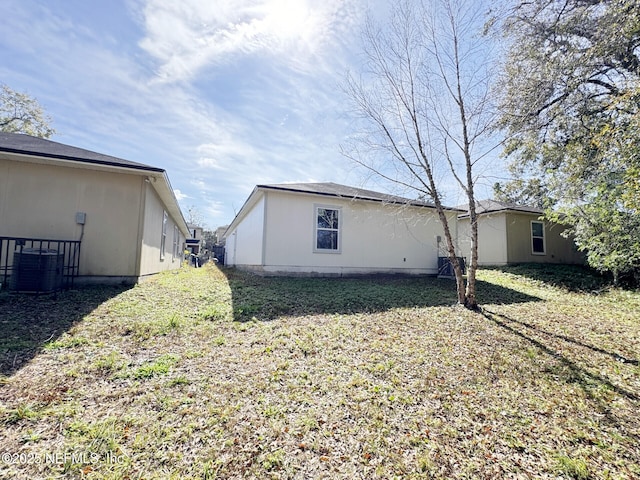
(153, 213)
(492, 239)
(557, 248)
(374, 237)
(41, 201)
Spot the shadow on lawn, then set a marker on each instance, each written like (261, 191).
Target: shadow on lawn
(266, 298)
(29, 322)
(595, 385)
(615, 356)
(574, 278)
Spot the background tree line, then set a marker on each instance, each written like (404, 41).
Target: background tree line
(569, 110)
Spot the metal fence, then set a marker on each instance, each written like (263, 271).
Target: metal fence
(445, 267)
(38, 265)
(218, 252)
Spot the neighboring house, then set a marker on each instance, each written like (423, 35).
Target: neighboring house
(331, 229)
(511, 234)
(194, 240)
(219, 233)
(125, 213)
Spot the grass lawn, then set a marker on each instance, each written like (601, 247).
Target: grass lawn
(209, 373)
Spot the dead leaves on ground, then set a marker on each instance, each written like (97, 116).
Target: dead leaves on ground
(194, 375)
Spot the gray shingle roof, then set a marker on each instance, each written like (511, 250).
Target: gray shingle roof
(28, 145)
(331, 189)
(489, 206)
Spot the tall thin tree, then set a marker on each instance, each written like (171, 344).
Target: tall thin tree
(423, 98)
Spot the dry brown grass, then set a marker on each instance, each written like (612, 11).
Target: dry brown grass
(216, 374)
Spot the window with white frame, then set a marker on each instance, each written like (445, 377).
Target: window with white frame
(176, 237)
(327, 229)
(537, 238)
(163, 239)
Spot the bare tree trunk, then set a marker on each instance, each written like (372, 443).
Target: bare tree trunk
(417, 100)
(451, 252)
(465, 144)
(470, 294)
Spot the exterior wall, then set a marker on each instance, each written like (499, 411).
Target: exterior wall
(195, 232)
(41, 201)
(219, 234)
(492, 239)
(150, 256)
(375, 238)
(557, 248)
(245, 243)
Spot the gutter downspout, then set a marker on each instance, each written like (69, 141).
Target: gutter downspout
(264, 231)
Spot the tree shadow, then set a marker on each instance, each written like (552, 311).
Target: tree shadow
(573, 278)
(28, 322)
(615, 356)
(593, 384)
(266, 298)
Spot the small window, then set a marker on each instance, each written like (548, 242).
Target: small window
(537, 238)
(163, 239)
(176, 248)
(327, 222)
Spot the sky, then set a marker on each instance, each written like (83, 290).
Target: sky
(223, 95)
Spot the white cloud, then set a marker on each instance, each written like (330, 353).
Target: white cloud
(214, 209)
(199, 183)
(216, 135)
(184, 37)
(179, 195)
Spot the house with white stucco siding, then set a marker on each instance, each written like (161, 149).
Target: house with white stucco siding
(334, 230)
(331, 229)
